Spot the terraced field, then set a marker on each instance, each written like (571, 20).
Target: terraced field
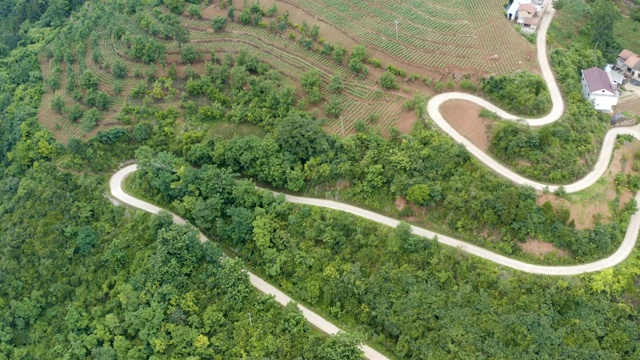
(361, 100)
(441, 35)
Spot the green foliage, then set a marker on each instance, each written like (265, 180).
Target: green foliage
(602, 17)
(554, 151)
(57, 104)
(218, 23)
(194, 10)
(89, 81)
(334, 106)
(189, 55)
(74, 113)
(302, 137)
(166, 291)
(349, 282)
(419, 194)
(396, 71)
(311, 82)
(523, 93)
(176, 6)
(139, 91)
(338, 53)
(119, 70)
(336, 85)
(90, 120)
(389, 81)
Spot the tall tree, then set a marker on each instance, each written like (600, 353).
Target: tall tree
(603, 15)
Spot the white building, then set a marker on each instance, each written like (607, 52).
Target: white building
(525, 12)
(598, 88)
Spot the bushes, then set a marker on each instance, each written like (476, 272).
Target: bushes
(90, 120)
(389, 81)
(523, 93)
(218, 23)
(189, 55)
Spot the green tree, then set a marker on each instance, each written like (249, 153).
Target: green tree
(75, 112)
(603, 15)
(218, 23)
(90, 120)
(172, 72)
(89, 81)
(334, 106)
(194, 10)
(389, 81)
(335, 85)
(176, 6)
(189, 55)
(119, 70)
(342, 346)
(419, 194)
(57, 104)
(231, 13)
(301, 136)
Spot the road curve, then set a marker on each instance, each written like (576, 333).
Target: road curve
(433, 107)
(115, 186)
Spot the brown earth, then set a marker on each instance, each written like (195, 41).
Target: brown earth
(400, 203)
(406, 121)
(540, 248)
(631, 106)
(464, 117)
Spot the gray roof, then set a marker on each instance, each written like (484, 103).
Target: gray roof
(597, 79)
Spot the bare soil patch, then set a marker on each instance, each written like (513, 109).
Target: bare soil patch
(400, 203)
(464, 116)
(630, 106)
(406, 121)
(540, 248)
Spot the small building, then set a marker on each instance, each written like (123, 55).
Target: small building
(598, 89)
(629, 63)
(521, 10)
(616, 78)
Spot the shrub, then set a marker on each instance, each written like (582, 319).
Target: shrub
(119, 70)
(194, 10)
(89, 81)
(139, 91)
(389, 81)
(218, 23)
(74, 113)
(57, 104)
(90, 120)
(375, 63)
(189, 55)
(334, 106)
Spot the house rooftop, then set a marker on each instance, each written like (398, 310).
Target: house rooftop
(626, 54)
(531, 21)
(633, 62)
(528, 8)
(597, 79)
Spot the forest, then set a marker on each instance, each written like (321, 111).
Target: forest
(81, 278)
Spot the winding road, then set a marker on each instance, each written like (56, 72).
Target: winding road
(433, 110)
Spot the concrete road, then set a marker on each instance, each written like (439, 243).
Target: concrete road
(115, 185)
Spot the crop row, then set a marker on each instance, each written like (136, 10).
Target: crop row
(512, 49)
(354, 111)
(354, 21)
(435, 55)
(449, 9)
(486, 12)
(284, 48)
(424, 23)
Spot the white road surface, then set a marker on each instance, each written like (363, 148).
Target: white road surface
(433, 110)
